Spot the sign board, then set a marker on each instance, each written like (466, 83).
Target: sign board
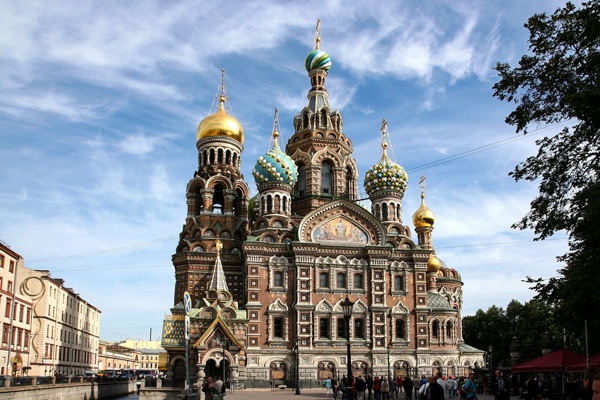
(187, 303)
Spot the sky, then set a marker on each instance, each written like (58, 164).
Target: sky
(100, 101)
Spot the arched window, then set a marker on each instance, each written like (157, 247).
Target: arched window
(324, 279)
(341, 280)
(326, 179)
(218, 200)
(435, 330)
(384, 209)
(301, 184)
(349, 182)
(449, 330)
(269, 204)
(358, 281)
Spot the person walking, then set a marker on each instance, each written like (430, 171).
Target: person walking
(434, 391)
(470, 388)
(328, 385)
(369, 382)
(385, 389)
(407, 384)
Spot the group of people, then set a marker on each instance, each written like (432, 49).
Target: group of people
(213, 390)
(383, 388)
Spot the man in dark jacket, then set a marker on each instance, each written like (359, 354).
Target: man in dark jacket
(435, 391)
(407, 384)
(369, 382)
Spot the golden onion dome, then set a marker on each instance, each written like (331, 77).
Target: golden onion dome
(220, 124)
(423, 217)
(433, 264)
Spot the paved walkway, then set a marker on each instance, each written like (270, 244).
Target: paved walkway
(290, 394)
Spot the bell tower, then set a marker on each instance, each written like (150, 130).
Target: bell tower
(321, 151)
(217, 207)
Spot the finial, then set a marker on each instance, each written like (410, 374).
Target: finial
(218, 246)
(383, 134)
(275, 128)
(318, 34)
(422, 184)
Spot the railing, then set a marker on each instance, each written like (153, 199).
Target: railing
(8, 381)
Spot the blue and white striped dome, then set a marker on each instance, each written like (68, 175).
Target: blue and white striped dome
(275, 166)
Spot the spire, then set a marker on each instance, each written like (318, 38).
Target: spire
(217, 281)
(276, 128)
(318, 34)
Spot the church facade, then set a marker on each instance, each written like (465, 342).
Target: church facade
(267, 275)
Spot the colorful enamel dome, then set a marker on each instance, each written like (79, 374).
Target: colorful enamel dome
(275, 166)
(385, 175)
(317, 59)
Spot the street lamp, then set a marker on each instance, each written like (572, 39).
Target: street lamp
(347, 309)
(222, 342)
(297, 368)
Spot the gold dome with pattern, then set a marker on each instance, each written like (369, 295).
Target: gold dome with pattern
(433, 264)
(220, 124)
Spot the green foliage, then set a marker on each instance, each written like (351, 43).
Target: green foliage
(496, 327)
(559, 81)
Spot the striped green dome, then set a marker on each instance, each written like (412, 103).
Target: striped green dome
(275, 166)
(317, 59)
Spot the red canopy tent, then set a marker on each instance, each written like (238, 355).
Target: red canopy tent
(594, 363)
(555, 361)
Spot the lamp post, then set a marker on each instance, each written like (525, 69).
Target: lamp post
(297, 368)
(388, 369)
(347, 309)
(222, 342)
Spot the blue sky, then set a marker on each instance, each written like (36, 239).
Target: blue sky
(99, 104)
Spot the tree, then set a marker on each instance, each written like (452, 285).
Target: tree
(496, 327)
(560, 82)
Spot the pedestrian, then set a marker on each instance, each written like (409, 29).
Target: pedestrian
(393, 389)
(342, 387)
(328, 385)
(377, 388)
(435, 391)
(360, 386)
(369, 382)
(451, 389)
(334, 385)
(407, 384)
(470, 388)
(500, 387)
(596, 386)
(385, 389)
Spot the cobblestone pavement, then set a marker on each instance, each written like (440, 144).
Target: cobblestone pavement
(306, 394)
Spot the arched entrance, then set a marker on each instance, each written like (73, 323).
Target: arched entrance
(216, 372)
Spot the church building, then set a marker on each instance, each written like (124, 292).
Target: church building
(267, 276)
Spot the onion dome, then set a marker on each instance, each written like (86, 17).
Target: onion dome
(385, 175)
(423, 217)
(433, 264)
(275, 166)
(317, 59)
(220, 124)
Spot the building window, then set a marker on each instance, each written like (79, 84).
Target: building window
(435, 330)
(301, 184)
(359, 328)
(341, 280)
(398, 283)
(324, 328)
(324, 279)
(358, 281)
(278, 327)
(341, 328)
(326, 178)
(278, 279)
(11, 267)
(400, 328)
